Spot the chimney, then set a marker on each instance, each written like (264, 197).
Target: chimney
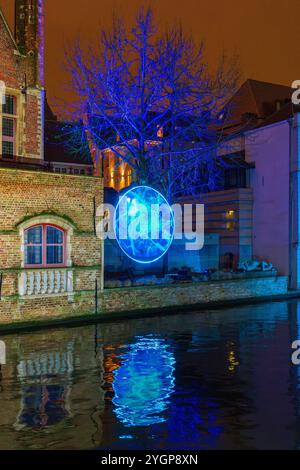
(29, 35)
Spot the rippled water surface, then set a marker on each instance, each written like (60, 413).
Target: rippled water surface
(211, 380)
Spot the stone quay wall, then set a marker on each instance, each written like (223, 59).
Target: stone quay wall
(184, 295)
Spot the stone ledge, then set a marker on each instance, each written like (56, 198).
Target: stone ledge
(91, 319)
(71, 268)
(193, 284)
(56, 176)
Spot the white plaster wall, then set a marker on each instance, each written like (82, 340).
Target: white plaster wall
(269, 149)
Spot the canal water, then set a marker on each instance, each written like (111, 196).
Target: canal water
(209, 380)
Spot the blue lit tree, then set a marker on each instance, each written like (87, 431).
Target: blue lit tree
(150, 98)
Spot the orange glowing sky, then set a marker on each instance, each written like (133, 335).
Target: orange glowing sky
(264, 33)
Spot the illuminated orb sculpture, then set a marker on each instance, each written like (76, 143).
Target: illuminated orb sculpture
(144, 382)
(144, 224)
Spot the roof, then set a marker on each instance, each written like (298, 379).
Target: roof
(266, 94)
(2, 17)
(283, 114)
(59, 146)
(65, 142)
(254, 102)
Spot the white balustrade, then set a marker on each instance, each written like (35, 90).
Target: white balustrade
(45, 282)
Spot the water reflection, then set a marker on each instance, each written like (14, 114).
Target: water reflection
(196, 424)
(42, 405)
(45, 379)
(144, 382)
(215, 380)
(1, 382)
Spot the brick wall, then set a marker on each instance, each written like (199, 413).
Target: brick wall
(155, 297)
(25, 195)
(14, 67)
(70, 199)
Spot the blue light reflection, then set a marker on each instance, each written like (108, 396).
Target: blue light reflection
(144, 382)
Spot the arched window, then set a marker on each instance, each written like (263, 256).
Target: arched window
(44, 246)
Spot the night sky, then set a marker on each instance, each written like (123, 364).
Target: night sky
(264, 33)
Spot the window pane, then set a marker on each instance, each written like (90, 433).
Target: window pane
(8, 127)
(55, 255)
(8, 106)
(33, 255)
(54, 236)
(33, 236)
(7, 149)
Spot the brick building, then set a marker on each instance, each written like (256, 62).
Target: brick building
(22, 72)
(49, 253)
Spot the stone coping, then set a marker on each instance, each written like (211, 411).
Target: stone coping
(49, 173)
(70, 268)
(191, 283)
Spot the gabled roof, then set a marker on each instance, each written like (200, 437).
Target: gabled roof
(267, 94)
(256, 98)
(283, 114)
(2, 18)
(59, 145)
(60, 148)
(255, 103)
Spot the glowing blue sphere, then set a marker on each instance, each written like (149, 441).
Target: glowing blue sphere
(144, 224)
(144, 382)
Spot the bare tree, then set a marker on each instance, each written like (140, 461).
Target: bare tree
(151, 99)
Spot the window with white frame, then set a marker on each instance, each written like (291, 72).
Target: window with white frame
(8, 127)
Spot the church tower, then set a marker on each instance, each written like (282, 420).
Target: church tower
(29, 35)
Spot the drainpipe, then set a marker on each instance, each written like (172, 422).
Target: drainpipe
(102, 241)
(42, 150)
(102, 266)
(290, 228)
(1, 280)
(101, 260)
(294, 192)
